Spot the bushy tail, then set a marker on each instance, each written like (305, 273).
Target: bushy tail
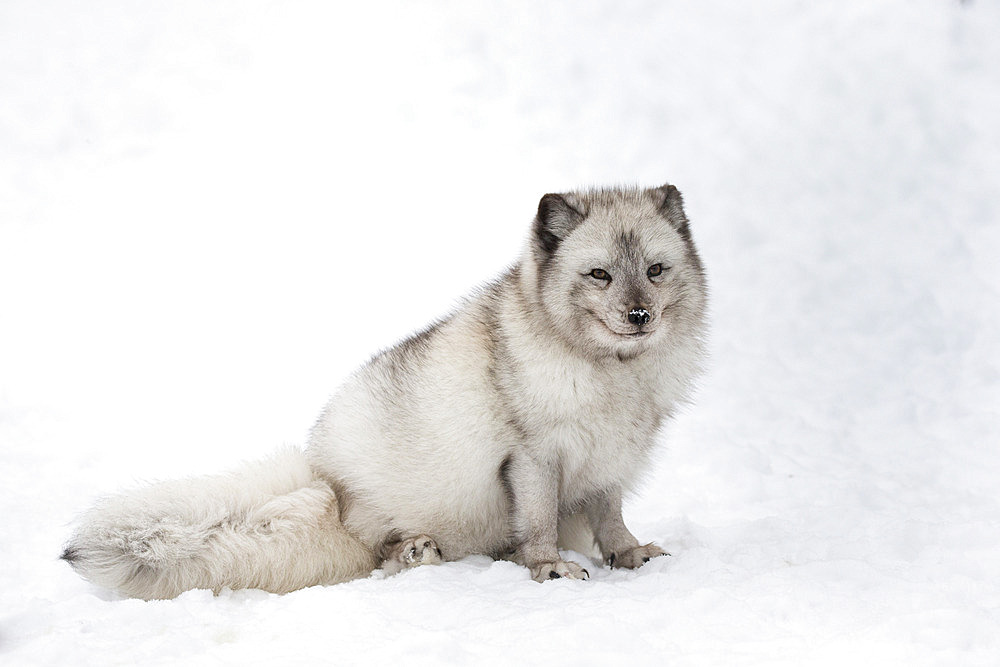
(269, 525)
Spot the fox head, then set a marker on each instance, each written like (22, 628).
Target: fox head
(616, 271)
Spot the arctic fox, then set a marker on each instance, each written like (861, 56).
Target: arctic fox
(529, 411)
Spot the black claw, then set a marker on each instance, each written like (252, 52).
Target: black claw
(645, 559)
(611, 560)
(554, 575)
(440, 555)
(587, 573)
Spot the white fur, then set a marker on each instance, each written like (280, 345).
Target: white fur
(269, 525)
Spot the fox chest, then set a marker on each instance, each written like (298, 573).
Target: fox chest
(598, 431)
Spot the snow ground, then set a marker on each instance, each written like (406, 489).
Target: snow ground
(191, 258)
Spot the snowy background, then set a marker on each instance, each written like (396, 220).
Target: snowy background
(210, 213)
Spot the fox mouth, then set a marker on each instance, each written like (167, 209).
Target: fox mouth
(627, 335)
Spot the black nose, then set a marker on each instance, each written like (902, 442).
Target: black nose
(638, 316)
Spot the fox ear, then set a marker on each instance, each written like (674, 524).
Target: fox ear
(558, 215)
(671, 207)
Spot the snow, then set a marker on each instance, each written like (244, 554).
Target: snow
(210, 213)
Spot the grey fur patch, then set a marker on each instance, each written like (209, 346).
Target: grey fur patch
(508, 489)
(411, 350)
(628, 244)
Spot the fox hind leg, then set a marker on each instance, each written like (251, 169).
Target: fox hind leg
(411, 552)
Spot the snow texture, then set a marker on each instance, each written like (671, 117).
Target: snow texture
(210, 213)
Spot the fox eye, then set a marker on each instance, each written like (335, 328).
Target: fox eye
(654, 270)
(600, 274)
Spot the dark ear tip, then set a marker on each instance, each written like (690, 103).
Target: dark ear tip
(670, 192)
(672, 200)
(548, 202)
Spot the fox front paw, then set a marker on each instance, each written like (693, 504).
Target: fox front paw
(559, 569)
(419, 550)
(635, 557)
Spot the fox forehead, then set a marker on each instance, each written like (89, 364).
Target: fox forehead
(649, 239)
